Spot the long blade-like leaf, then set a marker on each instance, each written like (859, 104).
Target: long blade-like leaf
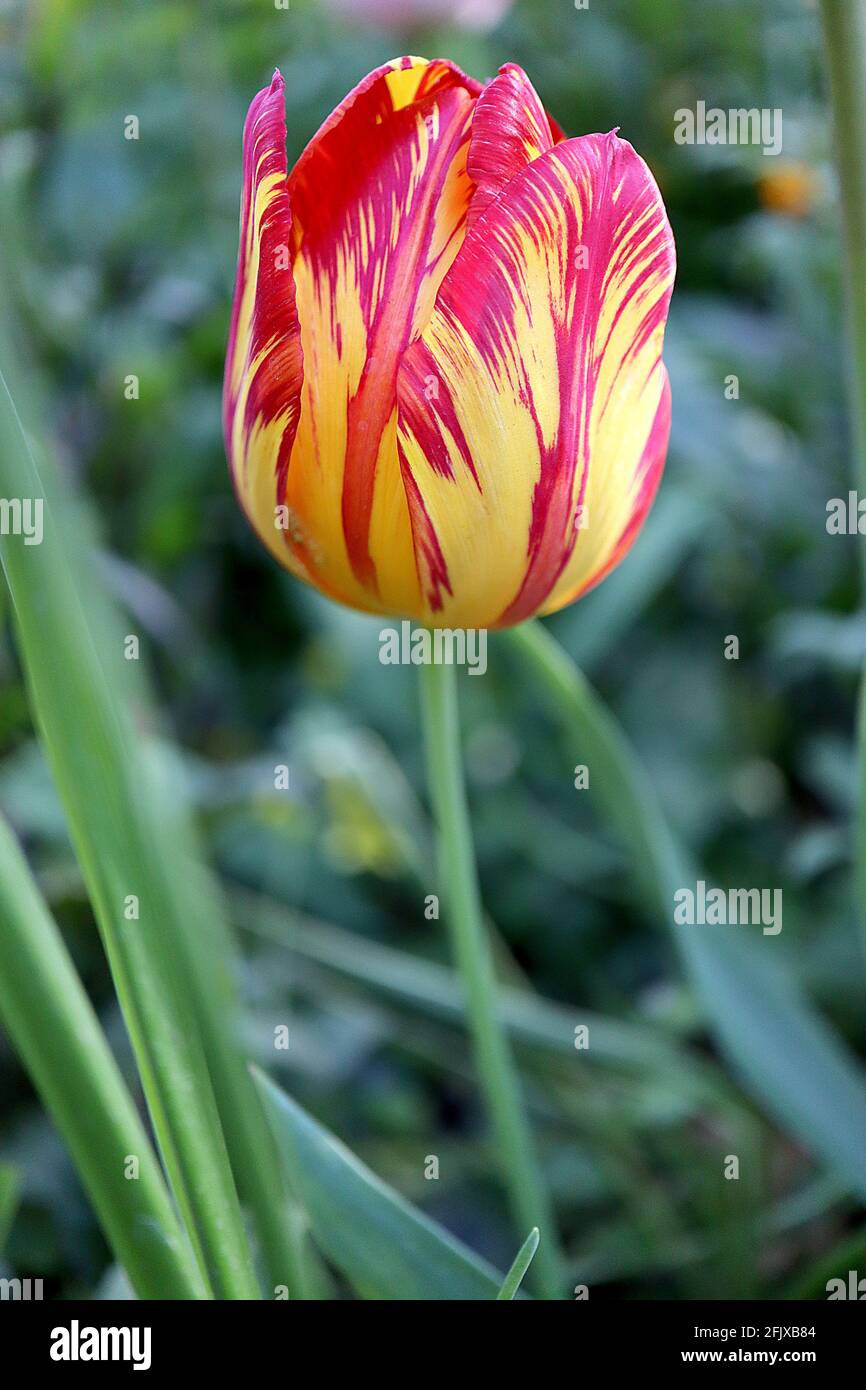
(49, 1019)
(522, 1260)
(385, 1247)
(790, 1059)
(10, 1192)
(128, 838)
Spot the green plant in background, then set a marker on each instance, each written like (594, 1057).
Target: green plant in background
(629, 1134)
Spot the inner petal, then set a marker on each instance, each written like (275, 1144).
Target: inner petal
(510, 129)
(379, 209)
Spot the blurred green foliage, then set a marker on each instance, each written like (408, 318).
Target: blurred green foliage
(123, 256)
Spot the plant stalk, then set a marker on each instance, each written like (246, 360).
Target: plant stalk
(845, 45)
(844, 24)
(528, 1198)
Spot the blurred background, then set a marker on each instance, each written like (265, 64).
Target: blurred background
(123, 256)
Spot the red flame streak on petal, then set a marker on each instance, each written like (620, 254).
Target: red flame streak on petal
(275, 385)
(363, 182)
(510, 129)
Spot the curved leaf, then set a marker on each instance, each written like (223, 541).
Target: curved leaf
(385, 1247)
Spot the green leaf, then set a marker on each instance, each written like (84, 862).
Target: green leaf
(790, 1059)
(131, 839)
(10, 1191)
(51, 1023)
(785, 1053)
(384, 1246)
(522, 1260)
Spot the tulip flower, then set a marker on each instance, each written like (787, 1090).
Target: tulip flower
(445, 396)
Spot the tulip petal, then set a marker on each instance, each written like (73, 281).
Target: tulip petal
(379, 202)
(574, 581)
(531, 463)
(509, 129)
(264, 363)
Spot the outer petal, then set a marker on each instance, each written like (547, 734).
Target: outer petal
(545, 350)
(574, 581)
(379, 202)
(264, 363)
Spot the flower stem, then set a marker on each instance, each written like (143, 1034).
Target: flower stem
(845, 44)
(527, 1195)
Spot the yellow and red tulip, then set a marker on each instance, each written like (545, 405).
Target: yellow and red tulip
(444, 394)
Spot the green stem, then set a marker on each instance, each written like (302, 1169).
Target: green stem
(50, 1021)
(845, 45)
(528, 1199)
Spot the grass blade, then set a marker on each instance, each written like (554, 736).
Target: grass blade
(50, 1021)
(385, 1247)
(127, 838)
(10, 1194)
(844, 28)
(522, 1260)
